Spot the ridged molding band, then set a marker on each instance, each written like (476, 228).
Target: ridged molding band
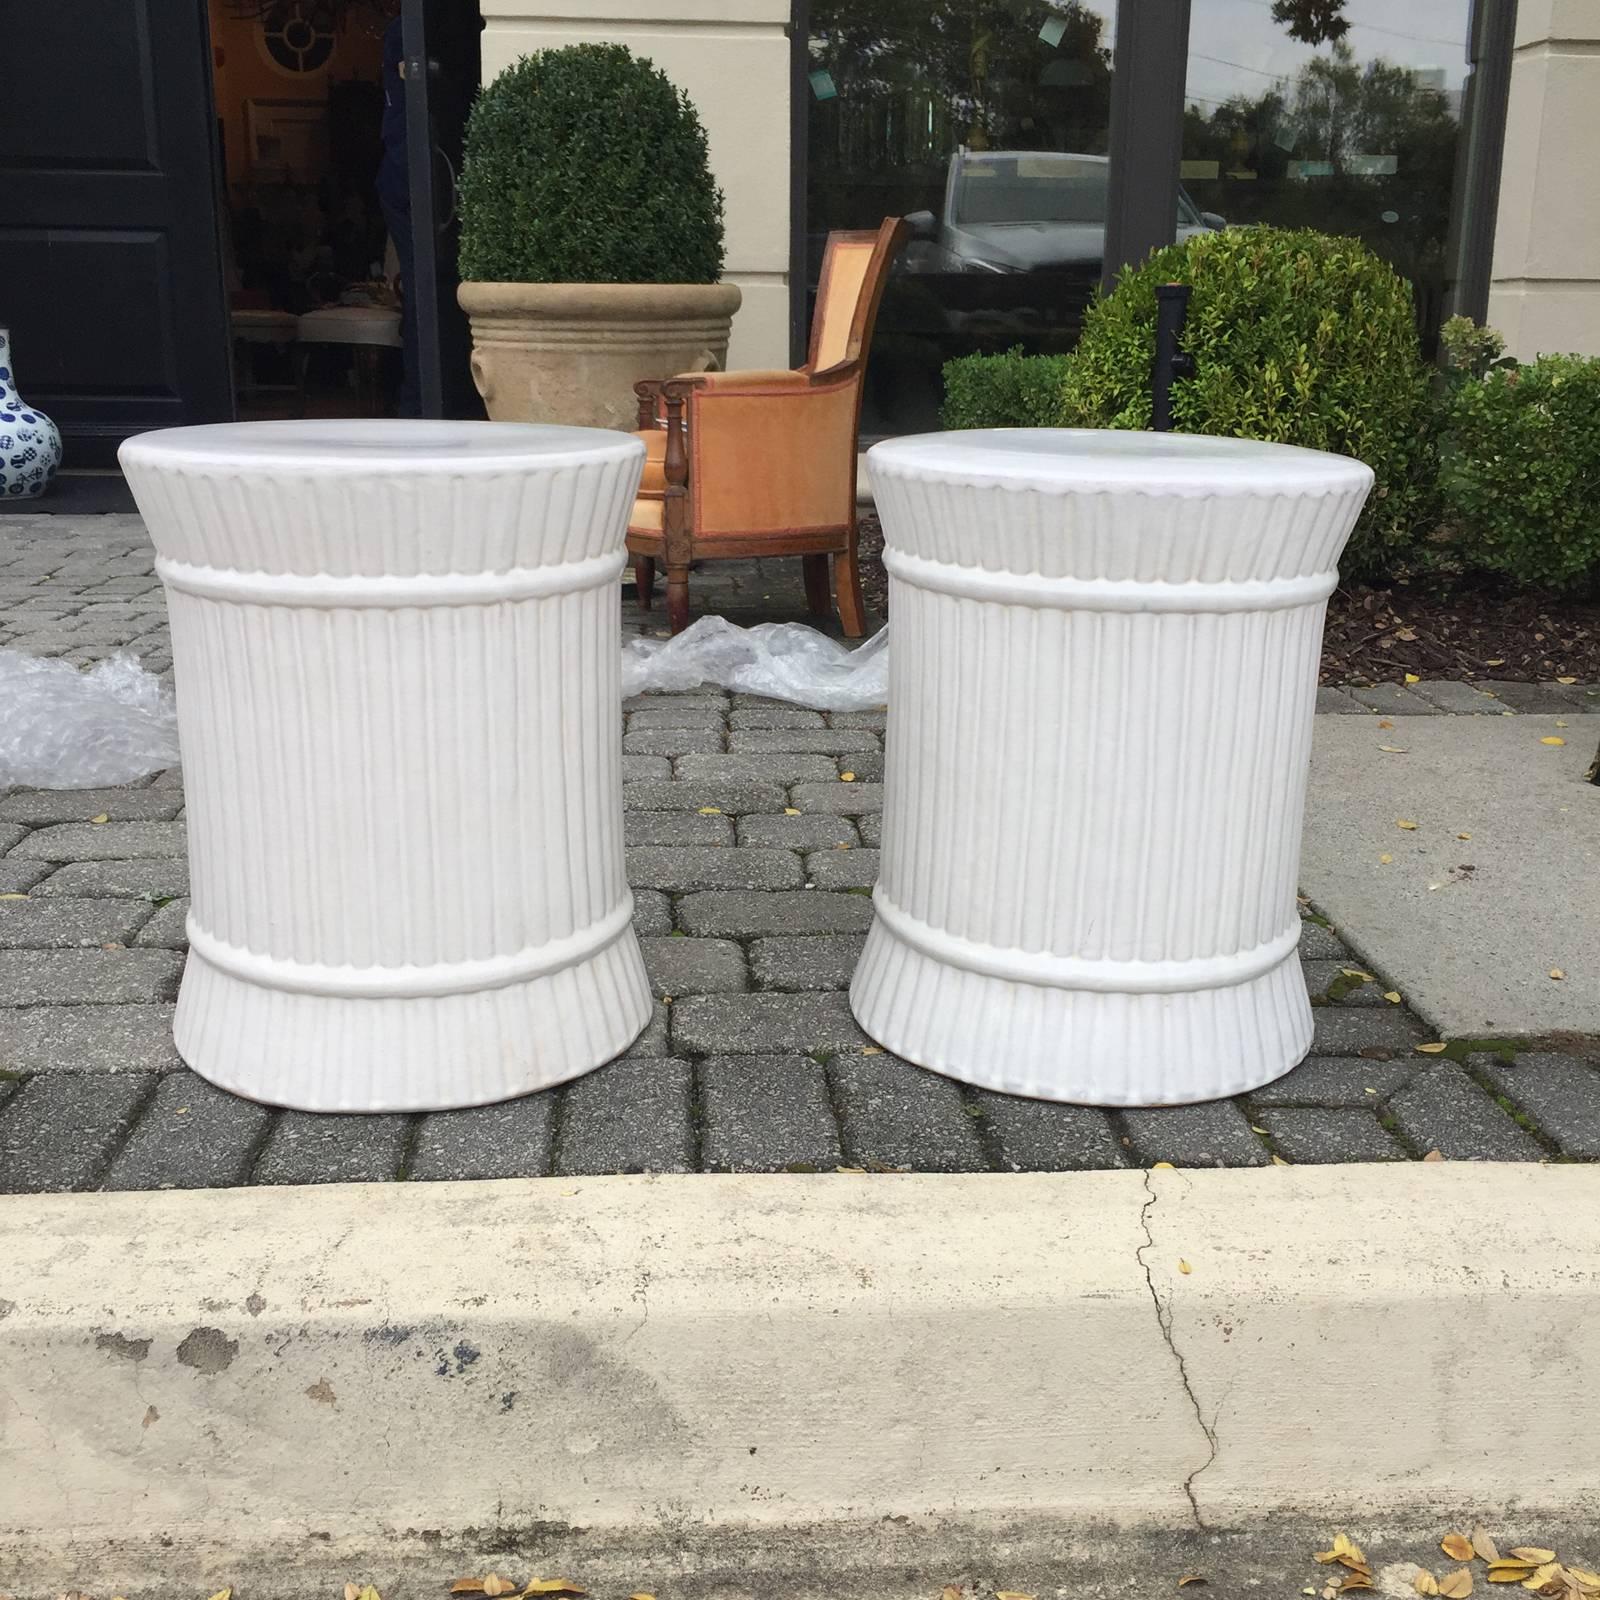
(375, 591)
(1045, 970)
(412, 982)
(1107, 594)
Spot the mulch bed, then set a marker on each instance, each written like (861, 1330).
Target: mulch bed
(1431, 627)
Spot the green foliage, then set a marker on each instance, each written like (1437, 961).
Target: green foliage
(1005, 391)
(585, 165)
(1470, 351)
(1519, 465)
(1297, 337)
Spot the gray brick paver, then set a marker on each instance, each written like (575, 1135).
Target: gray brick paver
(631, 1116)
(1338, 1081)
(675, 828)
(43, 807)
(1215, 1134)
(1443, 1109)
(87, 977)
(86, 1038)
(810, 961)
(57, 1133)
(838, 799)
(797, 832)
(321, 1147)
(68, 924)
(732, 798)
(1314, 1136)
(1040, 1136)
(819, 741)
(684, 869)
(764, 1023)
(893, 1114)
(739, 914)
(682, 966)
(768, 767)
(1560, 1093)
(107, 841)
(512, 1140)
(767, 1114)
(192, 1135)
(842, 869)
(166, 930)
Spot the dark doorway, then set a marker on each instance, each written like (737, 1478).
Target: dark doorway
(112, 281)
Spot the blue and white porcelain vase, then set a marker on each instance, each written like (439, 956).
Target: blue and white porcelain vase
(30, 443)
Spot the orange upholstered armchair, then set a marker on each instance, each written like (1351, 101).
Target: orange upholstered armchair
(764, 463)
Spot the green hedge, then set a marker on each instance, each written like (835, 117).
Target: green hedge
(585, 165)
(1298, 337)
(1006, 391)
(1519, 470)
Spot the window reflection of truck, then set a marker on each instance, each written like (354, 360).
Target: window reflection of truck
(1021, 214)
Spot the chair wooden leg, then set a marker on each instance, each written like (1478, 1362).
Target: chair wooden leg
(644, 580)
(819, 586)
(677, 598)
(847, 576)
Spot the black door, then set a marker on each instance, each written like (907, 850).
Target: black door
(442, 59)
(110, 265)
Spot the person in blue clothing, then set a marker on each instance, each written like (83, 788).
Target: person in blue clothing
(394, 195)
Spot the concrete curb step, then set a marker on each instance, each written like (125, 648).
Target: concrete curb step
(763, 1369)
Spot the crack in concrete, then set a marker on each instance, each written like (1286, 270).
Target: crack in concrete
(1164, 1321)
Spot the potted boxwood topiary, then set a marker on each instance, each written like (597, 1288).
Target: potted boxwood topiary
(591, 238)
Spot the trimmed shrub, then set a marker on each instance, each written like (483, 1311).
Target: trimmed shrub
(1004, 391)
(1519, 467)
(585, 165)
(1298, 337)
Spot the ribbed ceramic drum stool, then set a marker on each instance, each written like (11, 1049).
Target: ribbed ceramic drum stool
(397, 660)
(1102, 678)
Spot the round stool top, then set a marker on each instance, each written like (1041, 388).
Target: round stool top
(1079, 460)
(351, 325)
(406, 447)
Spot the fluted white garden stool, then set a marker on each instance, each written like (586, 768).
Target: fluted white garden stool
(397, 658)
(1101, 691)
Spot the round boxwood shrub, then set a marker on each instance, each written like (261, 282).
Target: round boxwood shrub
(585, 165)
(1298, 337)
(1519, 471)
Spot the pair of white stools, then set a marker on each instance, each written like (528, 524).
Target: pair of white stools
(397, 657)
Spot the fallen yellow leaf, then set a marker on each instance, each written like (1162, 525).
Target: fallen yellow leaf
(791, 811)
(1162, 1166)
(467, 1586)
(494, 1585)
(1586, 1579)
(847, 777)
(1557, 974)
(1384, 722)
(369, 1593)
(1393, 749)
(352, 1591)
(1510, 1571)
(1535, 1555)
(1188, 1578)
(1432, 1049)
(1549, 738)
(1343, 1550)
(1483, 1546)
(1425, 1582)
(1011, 1594)
(1495, 661)
(13, 897)
(1406, 823)
(1412, 677)
(1278, 1161)
(1463, 836)
(553, 1586)
(223, 1594)
(1434, 1155)
(1548, 1571)
(1185, 1268)
(1392, 996)
(641, 1596)
(1456, 1585)
(1356, 1580)
(1457, 1546)
(872, 1049)
(1566, 680)
(1385, 859)
(101, 818)
(710, 811)
(951, 1591)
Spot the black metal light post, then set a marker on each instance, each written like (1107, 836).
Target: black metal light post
(1172, 306)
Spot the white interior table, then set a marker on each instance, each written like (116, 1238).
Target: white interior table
(397, 658)
(1101, 691)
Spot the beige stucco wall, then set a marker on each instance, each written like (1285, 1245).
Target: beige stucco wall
(732, 56)
(1545, 293)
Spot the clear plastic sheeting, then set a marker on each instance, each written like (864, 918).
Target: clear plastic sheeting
(65, 729)
(784, 660)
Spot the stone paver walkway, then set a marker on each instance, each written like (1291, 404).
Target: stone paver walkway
(752, 858)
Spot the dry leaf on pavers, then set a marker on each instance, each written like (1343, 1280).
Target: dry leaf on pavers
(1406, 823)
(553, 1586)
(1424, 1582)
(1550, 1578)
(1483, 1546)
(352, 1591)
(1190, 1577)
(223, 1594)
(1394, 749)
(1184, 1267)
(1434, 1155)
(951, 1591)
(1586, 1580)
(1456, 1585)
(1392, 996)
(467, 1586)
(1557, 974)
(1510, 1571)
(1534, 1554)
(494, 1586)
(642, 1595)
(1432, 1049)
(1385, 860)
(101, 818)
(1552, 738)
(1011, 1594)
(1457, 1546)
(1344, 1552)
(1356, 1580)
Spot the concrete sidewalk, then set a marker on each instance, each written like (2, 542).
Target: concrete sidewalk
(1498, 883)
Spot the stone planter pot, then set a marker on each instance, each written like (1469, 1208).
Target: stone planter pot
(1101, 693)
(397, 659)
(572, 352)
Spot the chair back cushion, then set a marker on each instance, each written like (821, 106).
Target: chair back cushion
(855, 267)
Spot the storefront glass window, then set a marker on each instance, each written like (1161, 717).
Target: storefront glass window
(986, 124)
(1342, 115)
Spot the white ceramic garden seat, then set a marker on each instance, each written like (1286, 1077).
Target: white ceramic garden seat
(397, 657)
(1101, 694)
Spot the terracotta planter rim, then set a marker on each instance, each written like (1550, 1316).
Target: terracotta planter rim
(643, 302)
